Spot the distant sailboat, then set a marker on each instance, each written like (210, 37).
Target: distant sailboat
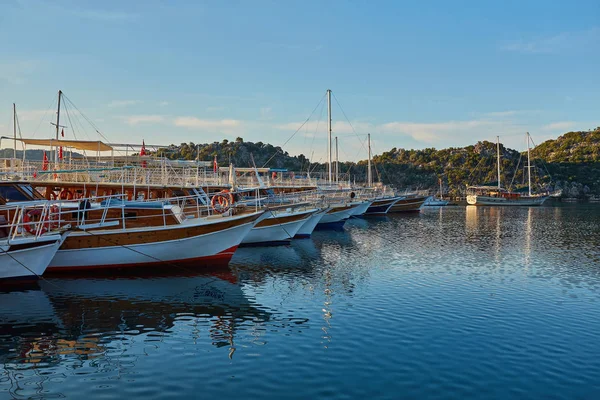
(498, 196)
(433, 201)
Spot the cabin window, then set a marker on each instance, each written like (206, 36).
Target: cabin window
(11, 193)
(131, 215)
(29, 190)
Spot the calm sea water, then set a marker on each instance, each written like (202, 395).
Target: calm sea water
(450, 303)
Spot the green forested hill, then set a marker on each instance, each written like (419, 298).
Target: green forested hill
(571, 163)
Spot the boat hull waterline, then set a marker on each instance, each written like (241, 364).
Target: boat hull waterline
(477, 200)
(309, 226)
(211, 243)
(412, 204)
(30, 262)
(336, 217)
(381, 206)
(277, 229)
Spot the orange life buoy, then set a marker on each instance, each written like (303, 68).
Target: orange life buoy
(220, 203)
(65, 194)
(229, 195)
(30, 224)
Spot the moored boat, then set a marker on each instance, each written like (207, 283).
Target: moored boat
(382, 206)
(309, 226)
(26, 246)
(410, 203)
(498, 196)
(361, 207)
(199, 242)
(278, 227)
(336, 216)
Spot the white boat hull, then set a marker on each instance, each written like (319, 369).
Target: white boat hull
(277, 233)
(336, 216)
(361, 208)
(477, 200)
(27, 263)
(435, 202)
(309, 226)
(201, 249)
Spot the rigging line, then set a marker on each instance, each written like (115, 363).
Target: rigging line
(28, 269)
(44, 116)
(313, 138)
(543, 163)
(312, 144)
(86, 118)
(516, 171)
(350, 123)
(297, 130)
(139, 252)
(383, 171)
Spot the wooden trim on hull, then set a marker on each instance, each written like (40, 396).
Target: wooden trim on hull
(500, 201)
(218, 259)
(99, 238)
(406, 205)
(281, 220)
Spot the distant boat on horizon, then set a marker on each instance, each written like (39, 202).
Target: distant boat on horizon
(499, 196)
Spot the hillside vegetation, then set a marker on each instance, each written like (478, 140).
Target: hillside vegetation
(571, 163)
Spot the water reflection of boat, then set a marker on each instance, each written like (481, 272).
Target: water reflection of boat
(70, 317)
(275, 256)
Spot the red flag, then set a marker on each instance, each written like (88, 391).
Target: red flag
(215, 165)
(62, 132)
(143, 153)
(45, 162)
(60, 153)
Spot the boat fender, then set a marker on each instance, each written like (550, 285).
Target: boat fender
(352, 195)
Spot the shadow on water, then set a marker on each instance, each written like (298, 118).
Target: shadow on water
(72, 321)
(457, 294)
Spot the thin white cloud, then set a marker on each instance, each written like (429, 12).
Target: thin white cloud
(562, 126)
(586, 40)
(163, 103)
(509, 113)
(105, 15)
(143, 119)
(266, 113)
(123, 103)
(209, 124)
(214, 109)
(17, 72)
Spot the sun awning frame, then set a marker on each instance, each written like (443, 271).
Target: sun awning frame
(88, 145)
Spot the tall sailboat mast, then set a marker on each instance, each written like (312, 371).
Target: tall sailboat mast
(15, 130)
(528, 166)
(57, 126)
(329, 134)
(498, 151)
(337, 162)
(369, 174)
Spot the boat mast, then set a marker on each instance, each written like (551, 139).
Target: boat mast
(337, 162)
(15, 130)
(369, 174)
(528, 165)
(57, 126)
(329, 133)
(498, 151)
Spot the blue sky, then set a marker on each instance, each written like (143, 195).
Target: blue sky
(413, 74)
